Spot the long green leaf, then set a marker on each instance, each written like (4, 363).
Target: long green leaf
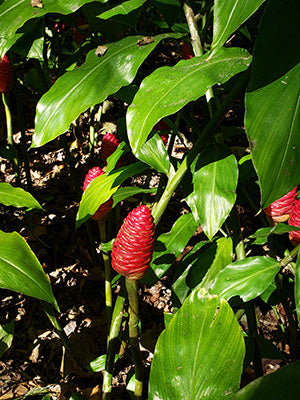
(89, 84)
(102, 188)
(200, 353)
(21, 271)
(214, 189)
(14, 14)
(17, 197)
(168, 89)
(283, 384)
(154, 153)
(122, 9)
(247, 278)
(272, 117)
(6, 336)
(229, 15)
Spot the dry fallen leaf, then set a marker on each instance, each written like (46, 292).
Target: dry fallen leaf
(145, 40)
(101, 50)
(37, 3)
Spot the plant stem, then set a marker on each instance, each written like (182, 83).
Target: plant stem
(51, 314)
(112, 343)
(238, 241)
(107, 268)
(132, 291)
(197, 48)
(10, 139)
(160, 207)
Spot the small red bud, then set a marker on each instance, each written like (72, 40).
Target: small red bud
(108, 146)
(164, 138)
(294, 220)
(186, 52)
(105, 207)
(6, 75)
(133, 248)
(279, 210)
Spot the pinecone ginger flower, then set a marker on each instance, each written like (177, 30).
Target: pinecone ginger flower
(105, 207)
(280, 209)
(108, 146)
(294, 220)
(133, 248)
(6, 75)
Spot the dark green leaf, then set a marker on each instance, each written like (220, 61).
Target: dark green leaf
(102, 188)
(283, 384)
(273, 126)
(247, 278)
(169, 245)
(229, 15)
(125, 8)
(89, 84)
(168, 89)
(129, 191)
(21, 271)
(199, 344)
(279, 229)
(17, 197)
(6, 336)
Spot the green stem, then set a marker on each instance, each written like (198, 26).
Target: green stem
(10, 139)
(92, 131)
(197, 48)
(132, 291)
(112, 343)
(160, 207)
(107, 268)
(252, 330)
(51, 314)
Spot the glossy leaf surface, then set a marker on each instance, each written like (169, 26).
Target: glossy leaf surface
(283, 384)
(102, 188)
(214, 189)
(154, 153)
(168, 89)
(14, 14)
(21, 271)
(17, 197)
(199, 344)
(247, 278)
(89, 84)
(129, 191)
(229, 15)
(272, 117)
(122, 9)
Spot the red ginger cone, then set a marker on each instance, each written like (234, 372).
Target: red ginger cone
(6, 75)
(162, 125)
(294, 220)
(105, 207)
(186, 52)
(108, 146)
(280, 209)
(133, 248)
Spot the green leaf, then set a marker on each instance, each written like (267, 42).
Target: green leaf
(122, 9)
(168, 89)
(273, 126)
(6, 336)
(247, 278)
(102, 188)
(297, 288)
(214, 189)
(201, 342)
(229, 15)
(279, 229)
(154, 153)
(98, 364)
(129, 191)
(91, 83)
(283, 384)
(169, 245)
(21, 271)
(17, 197)
(14, 14)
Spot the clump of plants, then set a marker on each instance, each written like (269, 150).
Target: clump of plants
(228, 95)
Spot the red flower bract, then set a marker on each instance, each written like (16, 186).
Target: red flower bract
(105, 207)
(294, 220)
(279, 210)
(133, 248)
(6, 75)
(108, 146)
(186, 52)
